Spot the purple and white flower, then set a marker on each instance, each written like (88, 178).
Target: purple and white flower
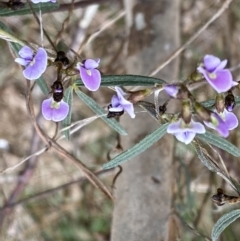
(90, 76)
(119, 103)
(55, 111)
(185, 132)
(217, 124)
(35, 64)
(213, 70)
(223, 122)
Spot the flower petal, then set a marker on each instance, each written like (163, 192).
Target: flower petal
(174, 127)
(35, 70)
(231, 120)
(211, 62)
(115, 101)
(26, 53)
(60, 113)
(47, 111)
(197, 127)
(91, 64)
(171, 90)
(222, 81)
(91, 81)
(129, 109)
(222, 65)
(116, 109)
(185, 137)
(21, 61)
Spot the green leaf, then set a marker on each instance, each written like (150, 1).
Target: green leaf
(219, 142)
(140, 147)
(204, 158)
(68, 97)
(45, 7)
(126, 80)
(223, 222)
(100, 111)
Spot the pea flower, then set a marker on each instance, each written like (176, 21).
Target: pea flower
(119, 104)
(35, 64)
(223, 122)
(215, 74)
(171, 90)
(185, 132)
(90, 76)
(218, 124)
(56, 111)
(43, 1)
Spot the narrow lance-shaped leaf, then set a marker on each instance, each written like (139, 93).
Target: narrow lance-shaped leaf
(126, 80)
(204, 158)
(45, 7)
(220, 143)
(100, 111)
(68, 97)
(223, 222)
(140, 147)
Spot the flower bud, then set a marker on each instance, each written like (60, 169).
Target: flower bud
(229, 101)
(177, 91)
(139, 95)
(186, 111)
(203, 113)
(219, 104)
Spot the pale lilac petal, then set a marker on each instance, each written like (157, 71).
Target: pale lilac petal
(116, 109)
(211, 62)
(130, 110)
(234, 83)
(22, 61)
(218, 124)
(174, 127)
(231, 120)
(222, 65)
(60, 113)
(115, 101)
(91, 64)
(54, 114)
(222, 81)
(26, 53)
(185, 137)
(47, 111)
(37, 68)
(197, 127)
(91, 79)
(171, 90)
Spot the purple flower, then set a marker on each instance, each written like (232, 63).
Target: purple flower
(223, 122)
(90, 76)
(185, 132)
(218, 124)
(35, 64)
(43, 1)
(218, 77)
(119, 103)
(172, 90)
(56, 111)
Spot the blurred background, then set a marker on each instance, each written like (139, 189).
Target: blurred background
(52, 201)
